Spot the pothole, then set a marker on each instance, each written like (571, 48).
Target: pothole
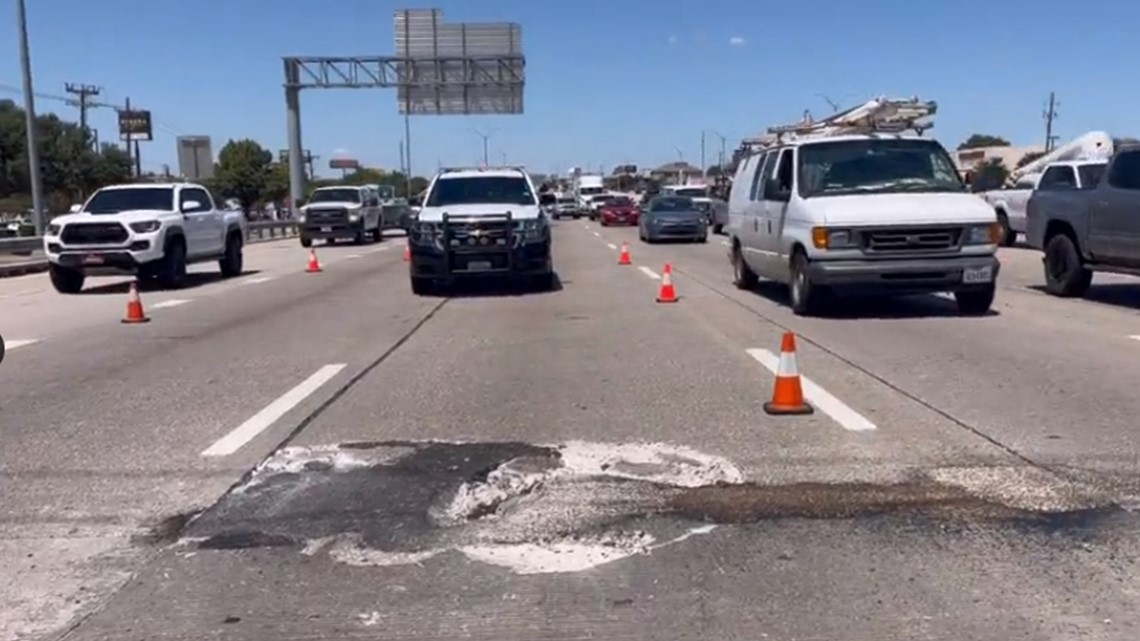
(568, 507)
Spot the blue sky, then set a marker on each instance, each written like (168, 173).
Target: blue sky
(608, 82)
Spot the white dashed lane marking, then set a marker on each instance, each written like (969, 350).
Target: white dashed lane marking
(649, 272)
(170, 303)
(611, 246)
(258, 281)
(17, 343)
(839, 411)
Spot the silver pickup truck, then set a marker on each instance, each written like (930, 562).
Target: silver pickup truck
(1087, 230)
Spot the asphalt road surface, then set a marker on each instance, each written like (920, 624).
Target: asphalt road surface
(294, 455)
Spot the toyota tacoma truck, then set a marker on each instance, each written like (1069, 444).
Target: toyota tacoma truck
(348, 212)
(480, 222)
(149, 230)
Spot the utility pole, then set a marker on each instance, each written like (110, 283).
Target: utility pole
(703, 167)
(485, 137)
(310, 161)
(84, 94)
(1050, 115)
(30, 120)
(127, 108)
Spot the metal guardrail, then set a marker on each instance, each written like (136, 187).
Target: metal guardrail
(14, 248)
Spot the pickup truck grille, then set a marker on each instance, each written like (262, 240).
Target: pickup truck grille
(921, 239)
(320, 216)
(94, 234)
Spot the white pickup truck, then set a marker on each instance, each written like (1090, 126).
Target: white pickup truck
(1010, 204)
(150, 230)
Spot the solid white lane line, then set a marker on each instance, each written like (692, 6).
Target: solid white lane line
(649, 272)
(174, 302)
(839, 411)
(261, 421)
(10, 345)
(611, 245)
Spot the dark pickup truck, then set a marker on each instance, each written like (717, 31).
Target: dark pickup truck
(1088, 230)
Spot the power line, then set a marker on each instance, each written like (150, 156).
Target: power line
(166, 127)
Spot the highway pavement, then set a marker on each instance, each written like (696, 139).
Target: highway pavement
(289, 455)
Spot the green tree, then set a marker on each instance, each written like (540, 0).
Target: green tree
(242, 171)
(983, 140)
(990, 174)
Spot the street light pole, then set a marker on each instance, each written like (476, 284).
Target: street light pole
(30, 120)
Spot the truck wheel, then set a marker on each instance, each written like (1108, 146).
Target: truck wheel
(718, 229)
(806, 296)
(423, 286)
(543, 282)
(378, 234)
(976, 302)
(1008, 236)
(306, 242)
(1065, 274)
(172, 272)
(359, 238)
(66, 281)
(232, 262)
(742, 275)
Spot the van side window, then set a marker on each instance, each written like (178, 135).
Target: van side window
(766, 172)
(755, 193)
(784, 172)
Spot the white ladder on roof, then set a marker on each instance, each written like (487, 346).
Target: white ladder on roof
(879, 115)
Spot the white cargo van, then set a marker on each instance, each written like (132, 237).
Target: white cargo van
(861, 203)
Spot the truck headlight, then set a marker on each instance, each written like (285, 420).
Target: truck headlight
(828, 238)
(301, 217)
(146, 226)
(53, 230)
(983, 234)
(353, 216)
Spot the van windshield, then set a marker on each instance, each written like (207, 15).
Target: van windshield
(875, 166)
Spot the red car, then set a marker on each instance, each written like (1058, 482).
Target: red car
(618, 211)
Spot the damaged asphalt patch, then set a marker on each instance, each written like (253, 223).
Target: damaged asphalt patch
(568, 507)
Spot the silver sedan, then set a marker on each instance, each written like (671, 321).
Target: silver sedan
(672, 218)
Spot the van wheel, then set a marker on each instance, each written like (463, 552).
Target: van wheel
(1008, 236)
(742, 275)
(1065, 274)
(64, 280)
(976, 302)
(718, 229)
(806, 297)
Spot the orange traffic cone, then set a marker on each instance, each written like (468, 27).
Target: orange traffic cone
(135, 312)
(667, 294)
(314, 264)
(788, 395)
(624, 258)
(407, 252)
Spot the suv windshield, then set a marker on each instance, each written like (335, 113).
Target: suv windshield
(691, 192)
(335, 195)
(671, 203)
(620, 201)
(875, 166)
(588, 191)
(496, 190)
(113, 201)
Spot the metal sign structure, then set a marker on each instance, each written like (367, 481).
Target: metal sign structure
(195, 157)
(135, 125)
(438, 69)
(344, 163)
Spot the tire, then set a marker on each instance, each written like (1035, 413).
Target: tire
(423, 286)
(306, 242)
(976, 302)
(1065, 273)
(378, 234)
(361, 237)
(543, 282)
(1008, 236)
(172, 271)
(703, 239)
(232, 262)
(742, 275)
(64, 280)
(718, 229)
(805, 296)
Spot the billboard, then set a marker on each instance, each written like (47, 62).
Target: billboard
(344, 164)
(135, 125)
(195, 157)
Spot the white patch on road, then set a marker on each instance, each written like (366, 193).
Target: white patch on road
(839, 411)
(724, 242)
(174, 302)
(352, 256)
(10, 345)
(597, 234)
(649, 272)
(1135, 337)
(259, 280)
(611, 245)
(261, 421)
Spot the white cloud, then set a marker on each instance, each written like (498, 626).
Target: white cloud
(672, 40)
(736, 41)
(341, 152)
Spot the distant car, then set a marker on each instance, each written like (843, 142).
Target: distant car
(618, 211)
(672, 217)
(566, 206)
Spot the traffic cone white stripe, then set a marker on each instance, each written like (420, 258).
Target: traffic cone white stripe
(787, 366)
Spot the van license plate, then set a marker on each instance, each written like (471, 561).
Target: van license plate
(977, 275)
(479, 265)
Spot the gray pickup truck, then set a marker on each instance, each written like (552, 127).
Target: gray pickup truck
(1087, 230)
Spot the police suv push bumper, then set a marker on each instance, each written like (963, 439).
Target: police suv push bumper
(483, 245)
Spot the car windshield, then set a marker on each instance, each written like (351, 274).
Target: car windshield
(671, 203)
(691, 192)
(621, 201)
(499, 190)
(342, 195)
(875, 166)
(113, 201)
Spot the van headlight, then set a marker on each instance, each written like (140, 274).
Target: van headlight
(829, 238)
(983, 234)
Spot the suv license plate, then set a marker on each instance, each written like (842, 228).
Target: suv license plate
(479, 265)
(326, 230)
(977, 275)
(92, 259)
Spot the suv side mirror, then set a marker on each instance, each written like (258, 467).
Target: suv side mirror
(772, 191)
(74, 209)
